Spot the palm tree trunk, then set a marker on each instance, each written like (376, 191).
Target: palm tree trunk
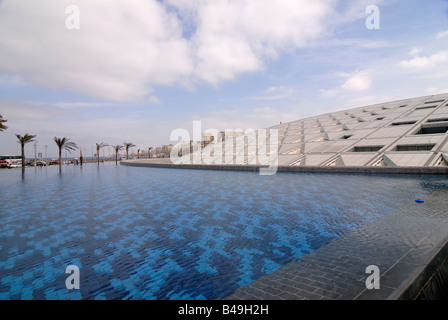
(60, 157)
(116, 158)
(23, 156)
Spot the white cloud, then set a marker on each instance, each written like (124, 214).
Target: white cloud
(419, 62)
(155, 100)
(435, 90)
(328, 93)
(125, 48)
(17, 111)
(274, 89)
(234, 36)
(264, 110)
(275, 93)
(415, 51)
(120, 50)
(431, 90)
(66, 104)
(240, 118)
(369, 100)
(358, 82)
(442, 34)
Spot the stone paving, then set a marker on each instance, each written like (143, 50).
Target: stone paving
(401, 244)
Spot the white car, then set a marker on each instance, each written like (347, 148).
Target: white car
(16, 164)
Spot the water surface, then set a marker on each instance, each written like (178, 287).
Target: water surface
(153, 233)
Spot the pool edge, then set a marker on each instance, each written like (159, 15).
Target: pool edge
(165, 163)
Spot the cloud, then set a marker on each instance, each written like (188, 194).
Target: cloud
(275, 93)
(328, 93)
(31, 111)
(435, 90)
(240, 118)
(442, 34)
(126, 48)
(418, 62)
(431, 90)
(119, 52)
(415, 51)
(358, 82)
(66, 104)
(235, 36)
(154, 100)
(369, 100)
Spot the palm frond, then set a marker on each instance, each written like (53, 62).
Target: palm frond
(65, 144)
(128, 145)
(25, 139)
(101, 145)
(118, 147)
(2, 126)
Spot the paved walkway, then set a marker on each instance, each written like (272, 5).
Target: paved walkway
(401, 244)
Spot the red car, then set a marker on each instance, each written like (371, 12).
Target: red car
(4, 164)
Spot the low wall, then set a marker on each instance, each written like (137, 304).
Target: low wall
(308, 169)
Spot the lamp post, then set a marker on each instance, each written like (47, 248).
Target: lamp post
(35, 153)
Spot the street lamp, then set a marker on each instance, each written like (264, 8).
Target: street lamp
(35, 153)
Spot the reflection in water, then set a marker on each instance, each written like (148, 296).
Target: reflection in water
(433, 185)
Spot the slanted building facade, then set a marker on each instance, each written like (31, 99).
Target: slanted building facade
(406, 133)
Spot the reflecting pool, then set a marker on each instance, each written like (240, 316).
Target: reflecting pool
(153, 233)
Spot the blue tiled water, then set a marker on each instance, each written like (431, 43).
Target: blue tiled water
(148, 233)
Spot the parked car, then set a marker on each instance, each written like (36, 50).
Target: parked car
(16, 164)
(4, 164)
(38, 163)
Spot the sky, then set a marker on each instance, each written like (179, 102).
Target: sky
(113, 71)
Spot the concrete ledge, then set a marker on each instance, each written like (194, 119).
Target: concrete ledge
(166, 163)
(422, 276)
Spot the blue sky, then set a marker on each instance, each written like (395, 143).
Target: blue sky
(136, 70)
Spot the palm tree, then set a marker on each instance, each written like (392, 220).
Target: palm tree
(117, 149)
(149, 152)
(64, 143)
(24, 140)
(138, 153)
(128, 145)
(99, 146)
(2, 126)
